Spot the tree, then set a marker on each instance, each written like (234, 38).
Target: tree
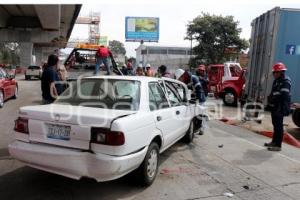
(117, 47)
(9, 53)
(215, 37)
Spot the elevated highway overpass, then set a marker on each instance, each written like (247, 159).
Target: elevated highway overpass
(39, 29)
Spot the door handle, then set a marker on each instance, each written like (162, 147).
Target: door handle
(158, 118)
(177, 112)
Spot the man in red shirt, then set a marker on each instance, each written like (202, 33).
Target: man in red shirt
(102, 58)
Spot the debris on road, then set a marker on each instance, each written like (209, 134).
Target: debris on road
(228, 194)
(246, 187)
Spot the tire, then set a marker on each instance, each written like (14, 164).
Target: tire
(26, 77)
(16, 93)
(1, 99)
(189, 136)
(296, 117)
(147, 171)
(230, 98)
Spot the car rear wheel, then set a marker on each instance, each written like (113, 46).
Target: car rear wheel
(230, 98)
(26, 77)
(1, 99)
(147, 172)
(189, 136)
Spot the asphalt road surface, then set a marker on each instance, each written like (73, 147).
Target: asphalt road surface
(225, 161)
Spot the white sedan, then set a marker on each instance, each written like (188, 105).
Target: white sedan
(105, 127)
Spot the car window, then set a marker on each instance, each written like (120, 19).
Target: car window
(180, 90)
(87, 88)
(173, 98)
(157, 97)
(103, 93)
(125, 89)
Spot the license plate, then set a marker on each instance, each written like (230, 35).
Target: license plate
(58, 132)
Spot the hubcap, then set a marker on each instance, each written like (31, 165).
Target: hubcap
(152, 163)
(229, 98)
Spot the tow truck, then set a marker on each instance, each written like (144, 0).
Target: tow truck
(226, 81)
(82, 61)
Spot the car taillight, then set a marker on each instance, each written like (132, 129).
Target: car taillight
(107, 137)
(21, 125)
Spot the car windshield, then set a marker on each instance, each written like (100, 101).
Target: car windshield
(103, 93)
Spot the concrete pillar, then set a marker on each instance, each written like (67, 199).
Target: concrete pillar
(41, 54)
(38, 52)
(26, 49)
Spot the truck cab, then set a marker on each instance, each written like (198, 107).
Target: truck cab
(231, 89)
(226, 81)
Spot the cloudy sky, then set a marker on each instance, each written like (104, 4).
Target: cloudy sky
(174, 16)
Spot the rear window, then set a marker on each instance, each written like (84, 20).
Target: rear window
(103, 93)
(34, 67)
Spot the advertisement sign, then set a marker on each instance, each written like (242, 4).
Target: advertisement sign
(103, 40)
(142, 28)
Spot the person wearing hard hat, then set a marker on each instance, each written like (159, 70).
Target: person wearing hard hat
(201, 73)
(279, 102)
(149, 71)
(193, 83)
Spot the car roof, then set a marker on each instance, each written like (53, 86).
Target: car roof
(138, 78)
(135, 78)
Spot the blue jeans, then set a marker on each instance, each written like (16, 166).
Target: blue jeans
(102, 61)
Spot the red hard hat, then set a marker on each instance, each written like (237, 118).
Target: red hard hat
(201, 67)
(278, 67)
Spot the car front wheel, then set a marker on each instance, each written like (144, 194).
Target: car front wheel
(149, 167)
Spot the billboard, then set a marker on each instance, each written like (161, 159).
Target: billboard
(142, 28)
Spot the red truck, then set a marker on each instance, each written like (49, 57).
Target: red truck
(226, 81)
